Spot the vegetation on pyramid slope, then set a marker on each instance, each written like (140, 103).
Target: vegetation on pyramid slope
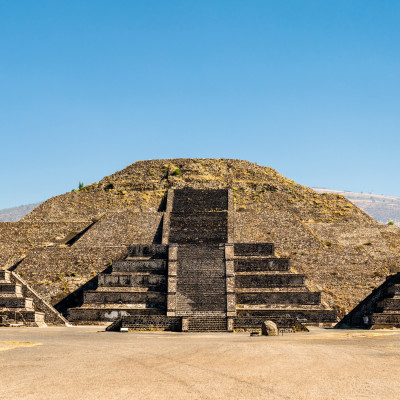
(142, 185)
(70, 238)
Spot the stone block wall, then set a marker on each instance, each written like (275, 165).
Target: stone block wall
(266, 264)
(199, 227)
(195, 200)
(254, 249)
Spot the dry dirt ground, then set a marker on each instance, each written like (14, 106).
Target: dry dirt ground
(88, 363)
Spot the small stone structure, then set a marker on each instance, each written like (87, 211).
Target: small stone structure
(381, 309)
(20, 304)
(198, 279)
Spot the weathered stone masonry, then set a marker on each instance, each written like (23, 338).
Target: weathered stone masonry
(381, 309)
(198, 279)
(20, 304)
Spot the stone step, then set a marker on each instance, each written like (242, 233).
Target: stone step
(207, 328)
(286, 289)
(385, 320)
(267, 307)
(206, 324)
(261, 264)
(150, 298)
(276, 297)
(201, 273)
(204, 252)
(12, 301)
(254, 249)
(153, 251)
(269, 280)
(251, 273)
(125, 289)
(313, 316)
(27, 317)
(390, 311)
(390, 303)
(9, 287)
(205, 303)
(150, 265)
(133, 279)
(201, 288)
(202, 227)
(394, 290)
(5, 275)
(193, 313)
(190, 200)
(109, 312)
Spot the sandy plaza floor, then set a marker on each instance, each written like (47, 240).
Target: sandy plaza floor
(88, 363)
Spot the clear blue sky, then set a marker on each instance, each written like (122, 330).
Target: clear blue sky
(310, 88)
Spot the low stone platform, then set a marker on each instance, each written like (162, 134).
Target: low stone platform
(203, 324)
(15, 307)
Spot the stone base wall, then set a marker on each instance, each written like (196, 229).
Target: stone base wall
(146, 323)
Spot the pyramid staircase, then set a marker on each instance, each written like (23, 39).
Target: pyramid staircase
(134, 286)
(15, 308)
(381, 309)
(266, 288)
(387, 311)
(198, 280)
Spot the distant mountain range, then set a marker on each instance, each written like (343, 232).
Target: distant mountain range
(16, 213)
(382, 208)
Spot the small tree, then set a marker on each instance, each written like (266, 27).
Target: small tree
(81, 185)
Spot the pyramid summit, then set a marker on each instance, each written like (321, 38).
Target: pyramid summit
(83, 251)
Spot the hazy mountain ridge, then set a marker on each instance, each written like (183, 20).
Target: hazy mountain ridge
(14, 214)
(382, 208)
